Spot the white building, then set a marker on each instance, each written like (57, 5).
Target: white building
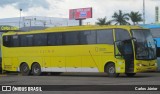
(29, 21)
(157, 14)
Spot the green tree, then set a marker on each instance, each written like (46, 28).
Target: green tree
(135, 17)
(103, 21)
(120, 18)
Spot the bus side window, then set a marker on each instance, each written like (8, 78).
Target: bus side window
(26, 40)
(71, 38)
(40, 40)
(29, 40)
(7, 41)
(54, 39)
(23, 40)
(51, 39)
(15, 41)
(88, 37)
(122, 34)
(105, 36)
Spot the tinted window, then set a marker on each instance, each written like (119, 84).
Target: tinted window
(158, 51)
(71, 38)
(104, 37)
(29, 40)
(15, 41)
(155, 32)
(88, 37)
(54, 38)
(26, 40)
(7, 41)
(122, 34)
(18, 41)
(59, 38)
(23, 40)
(40, 39)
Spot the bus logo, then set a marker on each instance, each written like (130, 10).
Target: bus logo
(6, 88)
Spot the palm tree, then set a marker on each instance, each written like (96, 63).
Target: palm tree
(120, 18)
(103, 21)
(135, 17)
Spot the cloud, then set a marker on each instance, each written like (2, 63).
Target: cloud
(102, 8)
(25, 4)
(60, 8)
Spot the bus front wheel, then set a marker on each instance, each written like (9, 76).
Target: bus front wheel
(130, 74)
(36, 69)
(24, 69)
(110, 70)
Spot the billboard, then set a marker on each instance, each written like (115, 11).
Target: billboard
(81, 13)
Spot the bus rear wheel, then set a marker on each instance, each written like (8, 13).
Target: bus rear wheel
(130, 74)
(24, 69)
(111, 71)
(36, 69)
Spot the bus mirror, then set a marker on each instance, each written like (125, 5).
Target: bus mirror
(134, 39)
(118, 44)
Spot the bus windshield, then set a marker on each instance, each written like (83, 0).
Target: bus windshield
(144, 44)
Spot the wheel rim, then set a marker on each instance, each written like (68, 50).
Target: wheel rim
(36, 70)
(111, 70)
(25, 68)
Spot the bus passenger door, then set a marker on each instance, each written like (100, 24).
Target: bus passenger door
(123, 43)
(128, 56)
(124, 50)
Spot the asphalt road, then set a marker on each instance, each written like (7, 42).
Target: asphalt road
(82, 79)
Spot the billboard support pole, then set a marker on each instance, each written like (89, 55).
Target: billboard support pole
(80, 22)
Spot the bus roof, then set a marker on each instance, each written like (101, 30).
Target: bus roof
(75, 28)
(88, 27)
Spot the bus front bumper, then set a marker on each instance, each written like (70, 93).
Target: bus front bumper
(146, 69)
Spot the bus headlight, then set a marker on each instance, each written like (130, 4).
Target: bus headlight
(139, 65)
(155, 64)
(120, 63)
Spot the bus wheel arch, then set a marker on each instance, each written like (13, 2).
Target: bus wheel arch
(110, 69)
(24, 69)
(36, 69)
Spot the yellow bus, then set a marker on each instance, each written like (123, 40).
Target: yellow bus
(109, 49)
(5, 28)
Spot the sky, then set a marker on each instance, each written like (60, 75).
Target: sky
(60, 8)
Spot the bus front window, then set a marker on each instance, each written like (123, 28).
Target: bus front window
(144, 44)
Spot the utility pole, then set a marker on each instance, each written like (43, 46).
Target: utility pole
(144, 12)
(20, 18)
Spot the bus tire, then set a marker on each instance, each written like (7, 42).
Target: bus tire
(36, 69)
(110, 70)
(24, 69)
(130, 74)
